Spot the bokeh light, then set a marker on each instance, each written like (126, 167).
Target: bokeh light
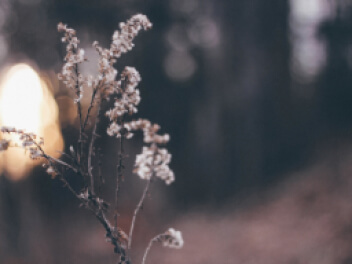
(26, 103)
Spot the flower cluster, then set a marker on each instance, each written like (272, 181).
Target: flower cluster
(172, 239)
(74, 55)
(154, 161)
(106, 71)
(30, 141)
(127, 97)
(122, 41)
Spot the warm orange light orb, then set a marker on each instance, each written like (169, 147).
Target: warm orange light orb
(26, 103)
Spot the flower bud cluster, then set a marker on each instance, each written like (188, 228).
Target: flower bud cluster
(74, 56)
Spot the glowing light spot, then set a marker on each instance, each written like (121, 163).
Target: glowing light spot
(26, 103)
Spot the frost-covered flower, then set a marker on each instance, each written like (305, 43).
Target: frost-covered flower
(172, 239)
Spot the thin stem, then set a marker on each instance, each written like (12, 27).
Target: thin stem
(90, 154)
(61, 163)
(120, 158)
(139, 206)
(101, 178)
(69, 187)
(120, 168)
(91, 105)
(79, 111)
(155, 239)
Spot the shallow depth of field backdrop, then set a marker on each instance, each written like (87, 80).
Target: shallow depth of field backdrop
(257, 98)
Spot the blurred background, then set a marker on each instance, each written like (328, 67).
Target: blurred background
(257, 98)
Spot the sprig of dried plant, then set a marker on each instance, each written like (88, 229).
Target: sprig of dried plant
(151, 164)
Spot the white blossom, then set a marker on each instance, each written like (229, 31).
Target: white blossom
(172, 239)
(154, 161)
(144, 163)
(114, 130)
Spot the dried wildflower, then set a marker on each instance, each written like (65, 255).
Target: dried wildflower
(152, 162)
(172, 239)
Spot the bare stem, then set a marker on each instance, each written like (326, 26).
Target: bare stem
(79, 111)
(100, 174)
(69, 187)
(91, 147)
(91, 105)
(139, 206)
(61, 162)
(155, 239)
(120, 168)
